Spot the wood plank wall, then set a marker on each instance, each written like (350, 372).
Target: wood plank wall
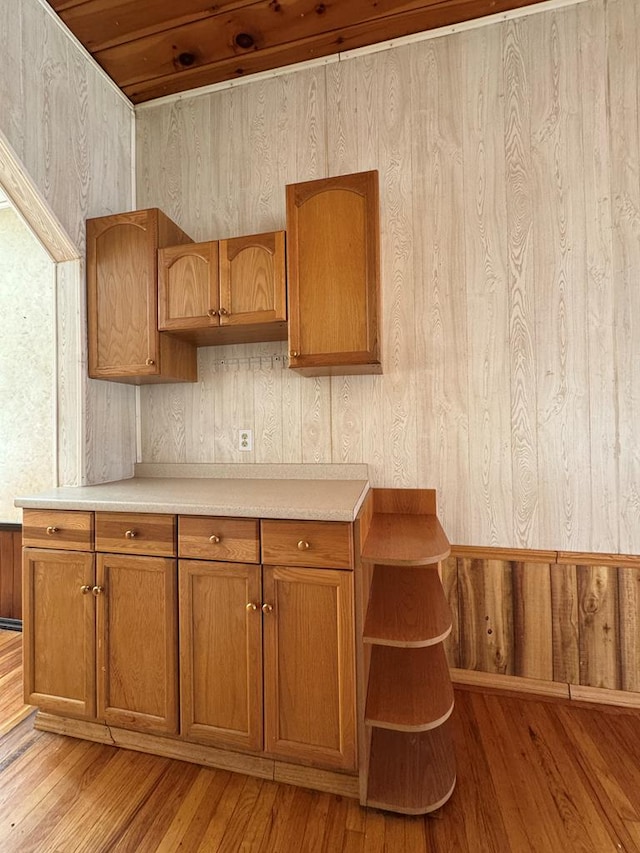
(71, 131)
(509, 158)
(569, 618)
(10, 571)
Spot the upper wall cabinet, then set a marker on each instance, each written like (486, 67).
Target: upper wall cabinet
(122, 300)
(334, 275)
(233, 291)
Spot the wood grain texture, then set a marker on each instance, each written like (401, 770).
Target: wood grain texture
(71, 131)
(507, 245)
(10, 572)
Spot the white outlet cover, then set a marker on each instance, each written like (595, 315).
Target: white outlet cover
(245, 440)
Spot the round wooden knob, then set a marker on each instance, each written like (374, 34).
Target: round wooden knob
(149, 362)
(51, 530)
(97, 590)
(130, 534)
(251, 606)
(86, 589)
(214, 539)
(222, 312)
(303, 546)
(212, 312)
(267, 608)
(294, 353)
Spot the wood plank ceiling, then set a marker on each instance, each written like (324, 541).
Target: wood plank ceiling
(157, 48)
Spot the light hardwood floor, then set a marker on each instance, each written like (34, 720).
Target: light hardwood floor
(533, 777)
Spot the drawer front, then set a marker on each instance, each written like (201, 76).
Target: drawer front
(307, 543)
(61, 529)
(206, 537)
(136, 533)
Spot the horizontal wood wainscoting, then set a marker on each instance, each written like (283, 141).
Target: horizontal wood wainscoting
(10, 575)
(548, 622)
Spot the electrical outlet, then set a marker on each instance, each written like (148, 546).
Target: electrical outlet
(245, 439)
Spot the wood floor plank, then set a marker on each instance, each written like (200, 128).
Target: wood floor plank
(534, 774)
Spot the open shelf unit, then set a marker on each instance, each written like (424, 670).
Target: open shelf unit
(409, 764)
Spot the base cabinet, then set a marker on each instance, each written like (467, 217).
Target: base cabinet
(137, 650)
(59, 631)
(100, 637)
(310, 666)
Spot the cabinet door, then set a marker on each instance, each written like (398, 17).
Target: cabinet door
(310, 701)
(333, 274)
(122, 310)
(252, 280)
(221, 654)
(137, 642)
(188, 294)
(59, 639)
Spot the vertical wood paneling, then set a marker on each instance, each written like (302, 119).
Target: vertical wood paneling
(598, 626)
(73, 133)
(440, 278)
(501, 174)
(486, 615)
(564, 609)
(532, 620)
(629, 609)
(520, 218)
(10, 574)
(624, 62)
(394, 105)
(558, 264)
(490, 489)
(596, 163)
(449, 578)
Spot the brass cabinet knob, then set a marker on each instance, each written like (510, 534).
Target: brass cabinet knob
(214, 539)
(267, 608)
(85, 589)
(251, 606)
(51, 530)
(222, 312)
(303, 546)
(212, 312)
(130, 534)
(97, 590)
(149, 362)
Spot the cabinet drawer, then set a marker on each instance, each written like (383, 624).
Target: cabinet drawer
(214, 538)
(136, 533)
(307, 543)
(67, 529)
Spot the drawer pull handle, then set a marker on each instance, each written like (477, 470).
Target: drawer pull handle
(303, 546)
(85, 589)
(214, 539)
(97, 590)
(130, 534)
(51, 530)
(251, 606)
(267, 608)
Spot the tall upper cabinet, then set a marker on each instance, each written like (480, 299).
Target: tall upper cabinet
(122, 300)
(333, 263)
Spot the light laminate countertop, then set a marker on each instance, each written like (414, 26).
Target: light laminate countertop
(286, 493)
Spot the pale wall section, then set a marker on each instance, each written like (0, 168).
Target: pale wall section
(510, 202)
(72, 131)
(27, 358)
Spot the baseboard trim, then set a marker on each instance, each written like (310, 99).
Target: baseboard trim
(7, 624)
(536, 687)
(170, 747)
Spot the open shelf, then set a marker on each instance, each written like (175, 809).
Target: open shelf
(409, 689)
(411, 773)
(407, 607)
(405, 540)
